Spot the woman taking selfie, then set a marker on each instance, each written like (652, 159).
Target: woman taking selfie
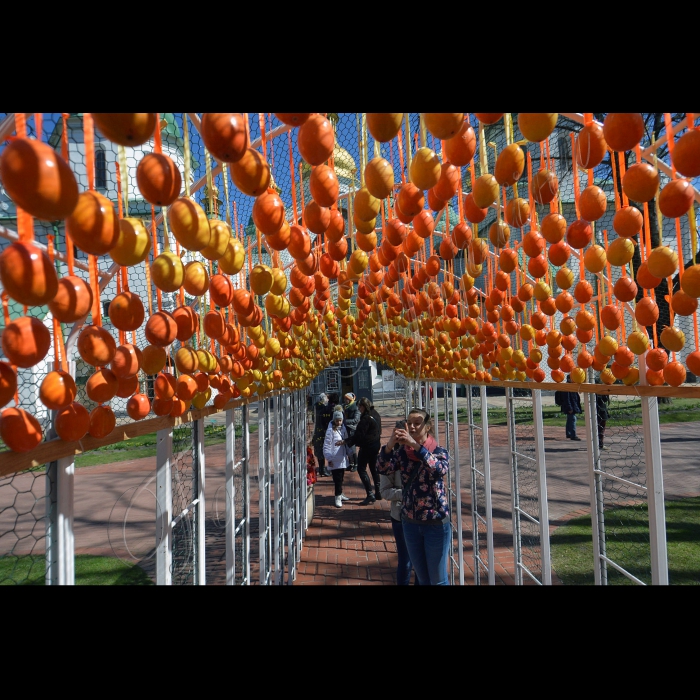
(414, 453)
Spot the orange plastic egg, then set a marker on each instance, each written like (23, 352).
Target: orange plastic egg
(674, 373)
(128, 386)
(189, 224)
(187, 321)
(25, 341)
(269, 213)
(537, 127)
(251, 174)
(590, 146)
(153, 358)
(221, 290)
(641, 182)
(690, 280)
(592, 203)
(165, 385)
(38, 179)
(161, 329)
(72, 422)
(625, 289)
(460, 148)
(19, 429)
(410, 199)
(686, 154)
(196, 279)
(220, 235)
(102, 385)
(579, 234)
(623, 130)
(8, 383)
(293, 119)
(628, 221)
(225, 135)
(93, 225)
(316, 139)
(162, 407)
(57, 390)
(138, 406)
(676, 198)
(379, 177)
(646, 312)
(510, 165)
(126, 128)
(126, 311)
(158, 179)
(96, 345)
(683, 304)
(102, 421)
(383, 126)
(126, 361)
(544, 186)
(517, 212)
(692, 362)
(645, 279)
(425, 168)
(27, 274)
(443, 126)
(485, 191)
(488, 117)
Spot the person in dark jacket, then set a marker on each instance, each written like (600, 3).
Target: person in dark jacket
(351, 420)
(571, 406)
(367, 437)
(323, 415)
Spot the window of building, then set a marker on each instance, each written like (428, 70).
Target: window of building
(564, 146)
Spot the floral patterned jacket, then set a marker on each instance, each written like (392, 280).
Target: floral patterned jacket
(427, 499)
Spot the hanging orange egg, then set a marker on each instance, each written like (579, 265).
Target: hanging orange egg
(128, 386)
(102, 385)
(656, 359)
(488, 117)
(674, 373)
(27, 274)
(510, 165)
(623, 130)
(280, 240)
(214, 324)
(126, 311)
(485, 191)
(611, 317)
(161, 329)
(559, 253)
(316, 218)
(553, 227)
(410, 199)
(93, 226)
(686, 154)
(38, 179)
(158, 179)
(590, 146)
(690, 280)
(692, 362)
(460, 148)
(8, 383)
(536, 127)
(379, 177)
(579, 234)
(594, 259)
(225, 135)
(221, 290)
(138, 406)
(641, 182)
(126, 128)
(676, 198)
(672, 338)
(187, 321)
(583, 291)
(102, 421)
(646, 312)
(316, 139)
(499, 234)
(461, 235)
(425, 168)
(233, 259)
(196, 280)
(662, 261)
(683, 304)
(57, 390)
(25, 341)
(537, 266)
(645, 279)
(324, 185)
(592, 203)
(268, 212)
(189, 224)
(167, 272)
(96, 345)
(383, 127)
(72, 422)
(19, 429)
(625, 289)
(564, 278)
(544, 186)
(443, 126)
(293, 119)
(365, 205)
(126, 361)
(628, 221)
(448, 249)
(517, 212)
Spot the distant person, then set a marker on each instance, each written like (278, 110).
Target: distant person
(367, 437)
(571, 407)
(335, 452)
(352, 418)
(323, 415)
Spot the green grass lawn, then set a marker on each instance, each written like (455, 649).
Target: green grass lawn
(89, 571)
(627, 544)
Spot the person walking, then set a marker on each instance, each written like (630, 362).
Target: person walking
(335, 452)
(352, 419)
(412, 450)
(392, 490)
(367, 437)
(571, 406)
(323, 415)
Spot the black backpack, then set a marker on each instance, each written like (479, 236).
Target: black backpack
(557, 398)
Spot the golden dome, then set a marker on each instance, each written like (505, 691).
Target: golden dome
(345, 168)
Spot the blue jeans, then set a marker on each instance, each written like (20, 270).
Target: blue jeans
(404, 568)
(571, 425)
(428, 547)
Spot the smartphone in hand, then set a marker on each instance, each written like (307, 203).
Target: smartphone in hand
(401, 424)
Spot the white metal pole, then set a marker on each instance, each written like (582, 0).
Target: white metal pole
(458, 486)
(593, 466)
(164, 507)
(65, 502)
(246, 490)
(201, 505)
(230, 491)
(542, 487)
(487, 485)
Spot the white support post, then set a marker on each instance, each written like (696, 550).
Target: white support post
(594, 481)
(230, 491)
(458, 486)
(198, 427)
(655, 485)
(246, 490)
(278, 522)
(542, 487)
(487, 485)
(164, 507)
(60, 554)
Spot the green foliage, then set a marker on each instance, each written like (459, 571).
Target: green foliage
(627, 544)
(89, 571)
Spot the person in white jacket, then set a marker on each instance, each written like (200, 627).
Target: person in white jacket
(336, 454)
(391, 488)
